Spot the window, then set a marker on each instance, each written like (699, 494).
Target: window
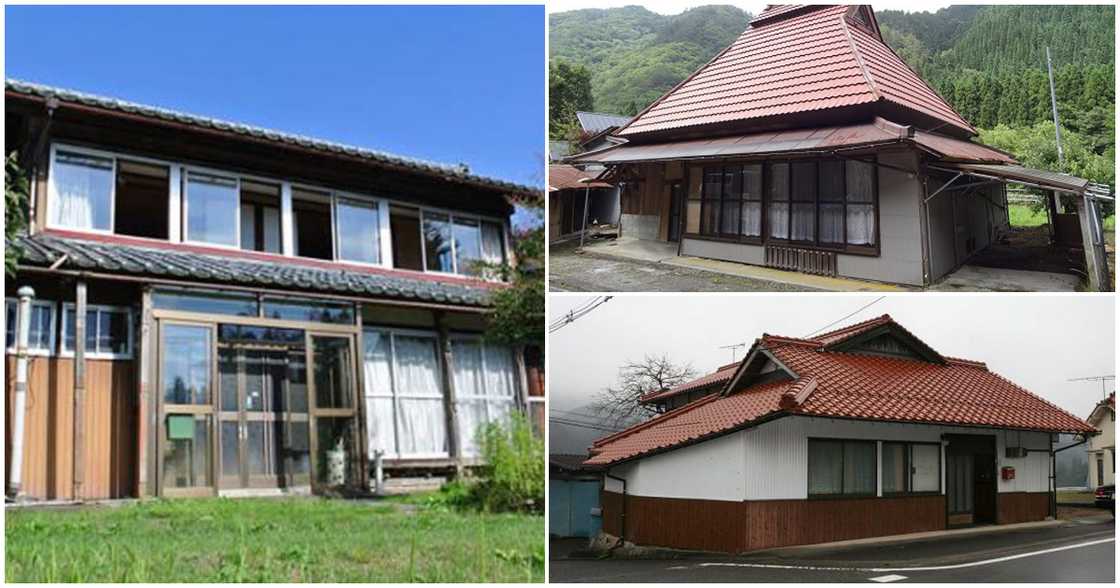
(437, 242)
(731, 203)
(228, 303)
(304, 310)
(260, 217)
(485, 387)
(311, 220)
(803, 197)
(830, 203)
(831, 212)
(459, 244)
(83, 191)
(212, 209)
(404, 394)
(404, 227)
(840, 467)
(359, 231)
(141, 200)
(861, 188)
(778, 210)
(468, 246)
(751, 216)
(911, 467)
(40, 340)
(108, 331)
(185, 373)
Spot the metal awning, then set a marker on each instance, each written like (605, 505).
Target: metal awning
(1047, 180)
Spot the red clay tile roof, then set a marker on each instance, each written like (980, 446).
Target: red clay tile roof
(790, 60)
(567, 177)
(847, 385)
(720, 376)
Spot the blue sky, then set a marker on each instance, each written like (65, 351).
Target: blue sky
(449, 84)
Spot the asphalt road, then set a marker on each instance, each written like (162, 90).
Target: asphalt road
(1073, 552)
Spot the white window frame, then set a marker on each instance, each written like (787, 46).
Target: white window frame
(396, 396)
(51, 339)
(186, 216)
(379, 206)
(63, 352)
(451, 216)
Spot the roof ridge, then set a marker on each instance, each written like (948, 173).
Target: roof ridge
(846, 27)
(862, 323)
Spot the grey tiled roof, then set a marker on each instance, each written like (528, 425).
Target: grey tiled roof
(593, 122)
(119, 258)
(451, 172)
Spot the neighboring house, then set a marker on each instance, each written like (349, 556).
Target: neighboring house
(569, 188)
(573, 497)
(262, 311)
(809, 145)
(1102, 448)
(678, 396)
(558, 150)
(596, 129)
(860, 432)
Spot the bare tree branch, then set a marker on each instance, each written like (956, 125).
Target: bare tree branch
(619, 406)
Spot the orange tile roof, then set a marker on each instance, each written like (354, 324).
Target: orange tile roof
(791, 60)
(838, 384)
(720, 376)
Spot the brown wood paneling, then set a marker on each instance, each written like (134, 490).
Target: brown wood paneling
(1022, 507)
(110, 452)
(708, 525)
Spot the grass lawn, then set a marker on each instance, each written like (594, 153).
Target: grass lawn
(272, 540)
(1023, 216)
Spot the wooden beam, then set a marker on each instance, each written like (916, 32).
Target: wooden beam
(145, 359)
(79, 389)
(450, 408)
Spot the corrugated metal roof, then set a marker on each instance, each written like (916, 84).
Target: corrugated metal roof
(848, 385)
(567, 177)
(125, 256)
(1016, 173)
(596, 122)
(446, 171)
(792, 60)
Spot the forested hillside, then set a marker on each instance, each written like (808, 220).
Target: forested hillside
(989, 62)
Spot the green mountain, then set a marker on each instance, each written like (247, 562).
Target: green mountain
(635, 55)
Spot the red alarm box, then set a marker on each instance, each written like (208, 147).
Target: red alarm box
(1007, 473)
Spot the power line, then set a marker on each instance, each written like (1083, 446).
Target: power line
(861, 309)
(567, 423)
(573, 316)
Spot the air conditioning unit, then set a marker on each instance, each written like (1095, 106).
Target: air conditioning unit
(1016, 452)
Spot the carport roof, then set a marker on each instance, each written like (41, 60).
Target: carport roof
(1018, 173)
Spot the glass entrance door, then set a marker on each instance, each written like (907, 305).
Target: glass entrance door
(334, 394)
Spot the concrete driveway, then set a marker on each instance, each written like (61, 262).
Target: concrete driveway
(1073, 551)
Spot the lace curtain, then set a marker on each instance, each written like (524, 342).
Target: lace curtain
(83, 192)
(861, 210)
(402, 377)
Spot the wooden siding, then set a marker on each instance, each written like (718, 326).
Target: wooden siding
(110, 415)
(1022, 507)
(733, 527)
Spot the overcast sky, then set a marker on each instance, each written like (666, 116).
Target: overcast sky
(678, 6)
(1038, 342)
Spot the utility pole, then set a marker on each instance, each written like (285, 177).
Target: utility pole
(1054, 107)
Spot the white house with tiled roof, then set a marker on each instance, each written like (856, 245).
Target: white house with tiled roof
(1102, 447)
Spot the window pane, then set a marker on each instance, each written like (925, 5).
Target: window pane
(861, 224)
(112, 332)
(404, 226)
(859, 467)
(832, 181)
(751, 221)
(751, 183)
(378, 382)
(825, 467)
(805, 181)
(186, 461)
(185, 373)
(9, 324)
(212, 209)
(860, 181)
(713, 183)
(359, 232)
(309, 311)
(493, 245)
(141, 200)
(692, 222)
(802, 227)
(437, 242)
(778, 220)
(779, 181)
(709, 217)
(467, 365)
(894, 467)
(311, 225)
(730, 218)
(501, 376)
(423, 424)
(84, 191)
(216, 303)
(332, 371)
(832, 223)
(71, 328)
(925, 461)
(336, 456)
(468, 246)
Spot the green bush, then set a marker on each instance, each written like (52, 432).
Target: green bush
(513, 477)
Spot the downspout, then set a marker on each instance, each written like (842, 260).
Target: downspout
(1054, 473)
(622, 523)
(23, 331)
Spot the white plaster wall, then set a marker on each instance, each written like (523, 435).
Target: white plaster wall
(712, 470)
(777, 453)
(900, 235)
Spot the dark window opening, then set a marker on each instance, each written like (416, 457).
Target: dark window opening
(311, 217)
(404, 224)
(141, 208)
(260, 217)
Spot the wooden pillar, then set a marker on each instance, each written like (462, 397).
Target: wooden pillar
(360, 406)
(144, 360)
(79, 389)
(450, 406)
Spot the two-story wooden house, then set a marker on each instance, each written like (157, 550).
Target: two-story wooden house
(216, 308)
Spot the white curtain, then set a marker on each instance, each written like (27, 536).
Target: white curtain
(423, 428)
(492, 242)
(469, 392)
(859, 467)
(860, 195)
(861, 224)
(379, 392)
(832, 223)
(729, 219)
(751, 222)
(84, 188)
(501, 381)
(778, 218)
(802, 228)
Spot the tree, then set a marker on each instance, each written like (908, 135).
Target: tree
(15, 210)
(619, 405)
(518, 317)
(569, 91)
